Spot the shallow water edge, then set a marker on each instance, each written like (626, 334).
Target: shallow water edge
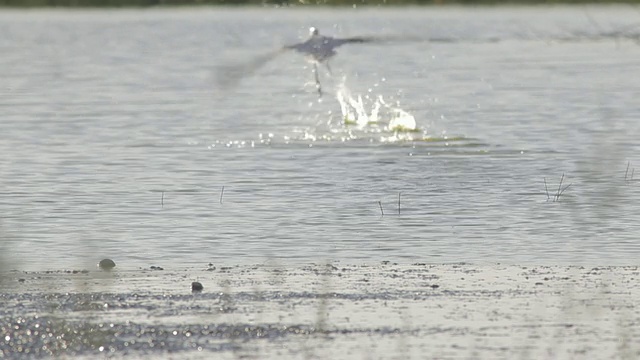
(336, 311)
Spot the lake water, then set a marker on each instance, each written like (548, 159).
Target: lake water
(116, 137)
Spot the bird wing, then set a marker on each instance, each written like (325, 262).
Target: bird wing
(229, 75)
(297, 47)
(326, 42)
(335, 42)
(376, 39)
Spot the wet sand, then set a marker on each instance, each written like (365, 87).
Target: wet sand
(380, 311)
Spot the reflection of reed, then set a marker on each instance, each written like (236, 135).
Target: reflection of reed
(626, 173)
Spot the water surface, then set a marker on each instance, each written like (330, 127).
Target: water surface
(116, 138)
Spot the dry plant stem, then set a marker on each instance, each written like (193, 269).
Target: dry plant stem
(627, 171)
(545, 188)
(381, 211)
(565, 188)
(559, 187)
(221, 194)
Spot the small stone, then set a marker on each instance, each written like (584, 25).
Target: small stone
(21, 280)
(196, 286)
(106, 264)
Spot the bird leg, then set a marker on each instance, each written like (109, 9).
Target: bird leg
(328, 67)
(315, 72)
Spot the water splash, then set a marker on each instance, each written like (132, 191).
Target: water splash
(366, 118)
(401, 120)
(354, 111)
(374, 113)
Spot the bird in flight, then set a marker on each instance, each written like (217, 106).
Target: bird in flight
(317, 49)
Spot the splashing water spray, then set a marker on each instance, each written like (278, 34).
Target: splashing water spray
(354, 113)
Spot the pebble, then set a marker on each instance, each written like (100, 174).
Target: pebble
(106, 264)
(196, 286)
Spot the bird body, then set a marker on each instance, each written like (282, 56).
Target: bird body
(320, 48)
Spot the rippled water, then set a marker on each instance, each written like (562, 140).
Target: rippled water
(116, 138)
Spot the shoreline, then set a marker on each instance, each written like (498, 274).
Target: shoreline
(324, 311)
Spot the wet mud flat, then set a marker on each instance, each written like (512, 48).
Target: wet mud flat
(336, 311)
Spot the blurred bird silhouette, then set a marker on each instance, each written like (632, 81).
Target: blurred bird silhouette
(317, 49)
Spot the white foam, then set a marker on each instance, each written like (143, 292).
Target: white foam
(361, 113)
